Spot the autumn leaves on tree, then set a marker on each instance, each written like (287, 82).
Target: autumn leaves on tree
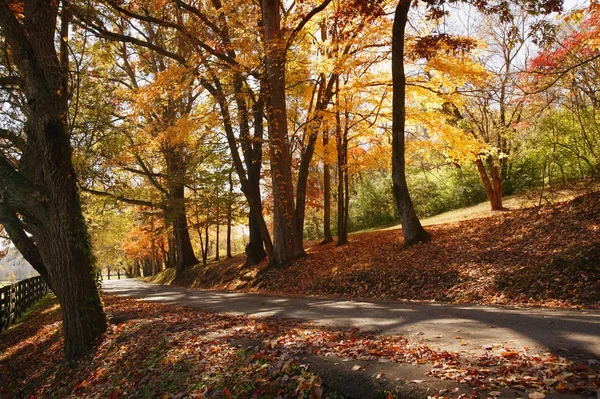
(180, 117)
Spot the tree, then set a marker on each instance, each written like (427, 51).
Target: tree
(497, 109)
(40, 207)
(411, 226)
(563, 86)
(206, 28)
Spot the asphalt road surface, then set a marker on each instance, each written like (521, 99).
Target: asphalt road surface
(461, 328)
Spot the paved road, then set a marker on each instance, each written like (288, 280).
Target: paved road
(569, 333)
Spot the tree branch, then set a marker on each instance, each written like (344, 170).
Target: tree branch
(11, 81)
(13, 138)
(14, 227)
(305, 20)
(19, 193)
(106, 34)
(177, 27)
(120, 198)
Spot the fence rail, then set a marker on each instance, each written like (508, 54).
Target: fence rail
(16, 298)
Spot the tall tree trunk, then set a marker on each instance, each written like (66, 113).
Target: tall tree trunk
(217, 238)
(171, 249)
(250, 183)
(286, 245)
(44, 189)
(252, 149)
(411, 226)
(342, 170)
(325, 93)
(183, 244)
(205, 244)
(229, 215)
(255, 250)
(137, 269)
(327, 238)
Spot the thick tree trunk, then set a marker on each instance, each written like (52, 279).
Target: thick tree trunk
(254, 250)
(411, 226)
(44, 189)
(176, 209)
(286, 245)
(137, 270)
(183, 244)
(172, 250)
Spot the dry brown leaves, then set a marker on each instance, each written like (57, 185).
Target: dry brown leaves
(171, 351)
(548, 257)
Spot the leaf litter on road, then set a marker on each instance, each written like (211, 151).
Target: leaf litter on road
(172, 351)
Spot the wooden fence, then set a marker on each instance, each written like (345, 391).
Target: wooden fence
(16, 298)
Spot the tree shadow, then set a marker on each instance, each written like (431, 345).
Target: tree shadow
(572, 334)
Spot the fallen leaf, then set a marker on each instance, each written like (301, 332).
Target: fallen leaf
(316, 392)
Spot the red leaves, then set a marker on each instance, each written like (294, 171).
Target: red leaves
(521, 370)
(509, 354)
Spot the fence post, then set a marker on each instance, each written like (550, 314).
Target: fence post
(4, 291)
(16, 298)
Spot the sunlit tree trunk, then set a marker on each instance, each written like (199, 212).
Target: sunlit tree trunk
(342, 150)
(177, 209)
(411, 226)
(327, 238)
(286, 245)
(493, 188)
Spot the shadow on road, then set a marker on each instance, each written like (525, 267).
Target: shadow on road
(569, 333)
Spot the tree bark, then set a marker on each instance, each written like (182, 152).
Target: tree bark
(229, 215)
(171, 249)
(325, 93)
(342, 150)
(411, 226)
(176, 209)
(250, 184)
(255, 250)
(217, 235)
(205, 244)
(51, 207)
(286, 245)
(493, 189)
(327, 238)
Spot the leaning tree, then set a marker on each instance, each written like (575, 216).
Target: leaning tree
(39, 205)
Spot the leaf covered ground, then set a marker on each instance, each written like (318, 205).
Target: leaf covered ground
(168, 351)
(546, 256)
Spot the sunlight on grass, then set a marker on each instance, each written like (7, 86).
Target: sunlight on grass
(482, 210)
(165, 277)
